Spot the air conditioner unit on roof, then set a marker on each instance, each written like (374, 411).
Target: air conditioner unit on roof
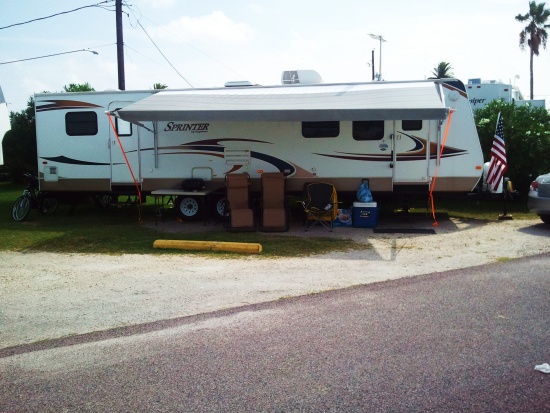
(304, 77)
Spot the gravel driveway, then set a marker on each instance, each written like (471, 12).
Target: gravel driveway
(47, 296)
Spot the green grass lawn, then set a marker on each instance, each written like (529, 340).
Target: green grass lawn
(92, 229)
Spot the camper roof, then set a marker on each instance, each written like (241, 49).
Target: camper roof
(355, 101)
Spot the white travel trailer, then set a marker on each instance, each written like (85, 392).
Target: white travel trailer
(400, 136)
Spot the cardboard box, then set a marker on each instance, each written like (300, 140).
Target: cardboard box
(364, 215)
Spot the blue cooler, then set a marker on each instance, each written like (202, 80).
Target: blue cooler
(365, 214)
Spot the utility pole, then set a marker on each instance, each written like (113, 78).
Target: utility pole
(381, 39)
(120, 45)
(372, 63)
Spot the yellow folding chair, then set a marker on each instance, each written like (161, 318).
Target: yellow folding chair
(321, 205)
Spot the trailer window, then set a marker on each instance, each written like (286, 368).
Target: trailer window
(123, 128)
(325, 129)
(368, 130)
(81, 123)
(411, 124)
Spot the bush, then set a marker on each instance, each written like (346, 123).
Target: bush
(527, 137)
(20, 143)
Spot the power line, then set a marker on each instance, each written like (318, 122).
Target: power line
(59, 14)
(154, 44)
(162, 54)
(190, 45)
(50, 55)
(127, 46)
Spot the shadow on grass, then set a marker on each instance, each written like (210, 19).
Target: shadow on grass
(118, 230)
(90, 229)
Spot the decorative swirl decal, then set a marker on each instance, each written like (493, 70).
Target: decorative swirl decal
(65, 104)
(72, 161)
(213, 148)
(415, 154)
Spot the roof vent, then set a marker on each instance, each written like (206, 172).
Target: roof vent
(238, 83)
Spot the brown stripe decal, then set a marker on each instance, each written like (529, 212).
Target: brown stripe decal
(65, 104)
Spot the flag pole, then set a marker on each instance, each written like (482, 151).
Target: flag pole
(498, 166)
(505, 193)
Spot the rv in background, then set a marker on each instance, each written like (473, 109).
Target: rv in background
(4, 123)
(481, 92)
(391, 133)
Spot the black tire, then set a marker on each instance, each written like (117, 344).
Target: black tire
(219, 208)
(21, 208)
(49, 205)
(545, 218)
(188, 207)
(102, 200)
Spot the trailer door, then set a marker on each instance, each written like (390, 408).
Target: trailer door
(129, 138)
(411, 151)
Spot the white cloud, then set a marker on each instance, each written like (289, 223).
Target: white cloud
(214, 28)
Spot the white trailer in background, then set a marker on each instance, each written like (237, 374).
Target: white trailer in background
(481, 92)
(392, 133)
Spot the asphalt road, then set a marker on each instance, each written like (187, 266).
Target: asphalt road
(459, 341)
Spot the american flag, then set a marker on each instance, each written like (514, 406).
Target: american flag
(498, 164)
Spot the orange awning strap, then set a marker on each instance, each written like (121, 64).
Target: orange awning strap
(127, 163)
(432, 186)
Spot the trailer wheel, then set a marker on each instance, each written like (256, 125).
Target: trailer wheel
(188, 207)
(219, 208)
(49, 206)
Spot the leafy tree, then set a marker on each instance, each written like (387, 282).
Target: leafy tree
(527, 138)
(78, 87)
(20, 143)
(534, 34)
(443, 70)
(159, 86)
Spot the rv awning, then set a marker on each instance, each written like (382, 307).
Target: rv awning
(366, 101)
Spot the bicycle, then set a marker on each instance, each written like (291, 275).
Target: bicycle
(32, 198)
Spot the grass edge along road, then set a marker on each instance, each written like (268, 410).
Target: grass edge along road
(91, 229)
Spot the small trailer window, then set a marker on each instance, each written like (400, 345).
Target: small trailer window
(324, 129)
(411, 124)
(81, 123)
(368, 130)
(123, 128)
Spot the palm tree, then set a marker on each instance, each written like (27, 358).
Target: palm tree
(159, 86)
(534, 34)
(443, 70)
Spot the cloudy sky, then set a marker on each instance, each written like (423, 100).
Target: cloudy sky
(189, 43)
